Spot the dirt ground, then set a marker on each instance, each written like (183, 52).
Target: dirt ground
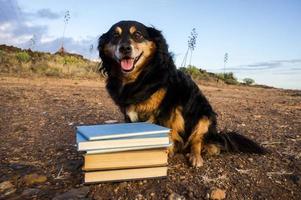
(39, 160)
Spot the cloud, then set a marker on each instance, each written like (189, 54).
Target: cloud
(71, 45)
(15, 25)
(9, 10)
(265, 65)
(17, 28)
(44, 13)
(47, 13)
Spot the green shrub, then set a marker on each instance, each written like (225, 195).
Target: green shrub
(39, 69)
(248, 81)
(23, 57)
(228, 78)
(1, 55)
(193, 71)
(69, 60)
(53, 72)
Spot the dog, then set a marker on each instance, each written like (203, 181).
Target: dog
(144, 82)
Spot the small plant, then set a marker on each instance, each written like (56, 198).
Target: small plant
(53, 72)
(1, 55)
(248, 81)
(191, 70)
(228, 78)
(39, 68)
(191, 46)
(23, 57)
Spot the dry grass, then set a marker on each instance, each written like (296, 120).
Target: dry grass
(15, 61)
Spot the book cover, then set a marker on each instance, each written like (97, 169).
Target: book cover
(125, 160)
(110, 131)
(138, 141)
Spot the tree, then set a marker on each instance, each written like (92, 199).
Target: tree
(191, 46)
(225, 61)
(248, 81)
(192, 42)
(66, 20)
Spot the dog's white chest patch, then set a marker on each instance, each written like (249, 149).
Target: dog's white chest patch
(133, 115)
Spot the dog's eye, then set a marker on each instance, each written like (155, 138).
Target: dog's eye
(138, 35)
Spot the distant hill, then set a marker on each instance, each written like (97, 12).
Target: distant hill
(16, 61)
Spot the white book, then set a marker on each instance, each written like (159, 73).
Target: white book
(112, 150)
(122, 130)
(126, 142)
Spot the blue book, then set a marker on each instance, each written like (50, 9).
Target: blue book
(132, 142)
(122, 130)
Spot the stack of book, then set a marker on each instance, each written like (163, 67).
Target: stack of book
(126, 151)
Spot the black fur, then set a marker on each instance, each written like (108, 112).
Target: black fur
(160, 73)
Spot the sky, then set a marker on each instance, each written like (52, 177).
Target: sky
(262, 38)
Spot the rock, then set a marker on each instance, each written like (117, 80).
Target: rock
(74, 194)
(112, 121)
(30, 192)
(123, 185)
(32, 179)
(17, 166)
(139, 197)
(190, 194)
(218, 194)
(6, 188)
(175, 196)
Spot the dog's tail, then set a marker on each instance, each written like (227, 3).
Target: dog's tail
(234, 142)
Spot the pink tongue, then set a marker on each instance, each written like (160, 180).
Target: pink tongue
(127, 64)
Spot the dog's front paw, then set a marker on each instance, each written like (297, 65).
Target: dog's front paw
(171, 151)
(196, 160)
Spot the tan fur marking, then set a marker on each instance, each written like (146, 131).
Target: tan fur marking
(176, 123)
(212, 149)
(133, 29)
(177, 141)
(151, 119)
(152, 103)
(176, 120)
(200, 129)
(195, 142)
(148, 48)
(118, 30)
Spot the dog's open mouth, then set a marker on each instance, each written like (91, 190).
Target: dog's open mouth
(128, 64)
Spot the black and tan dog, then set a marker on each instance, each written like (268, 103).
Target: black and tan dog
(143, 81)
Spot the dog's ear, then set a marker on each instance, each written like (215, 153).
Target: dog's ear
(104, 68)
(157, 37)
(101, 43)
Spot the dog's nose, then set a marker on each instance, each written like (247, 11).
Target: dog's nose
(125, 48)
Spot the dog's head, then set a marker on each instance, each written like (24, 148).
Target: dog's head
(128, 47)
